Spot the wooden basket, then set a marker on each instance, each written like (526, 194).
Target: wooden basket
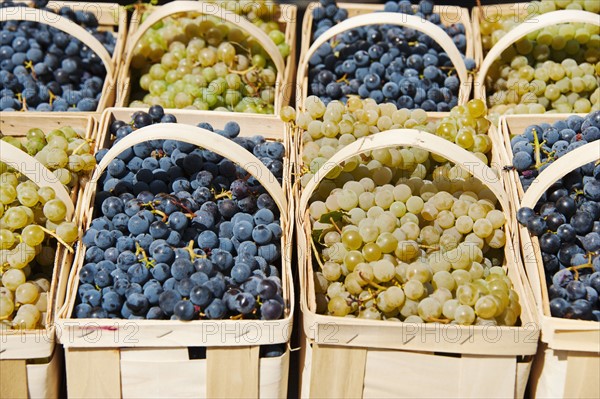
(18, 378)
(365, 14)
(122, 349)
(111, 17)
(285, 70)
(449, 15)
(572, 353)
(362, 343)
(511, 37)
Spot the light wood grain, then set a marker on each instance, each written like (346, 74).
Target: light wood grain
(337, 371)
(13, 379)
(226, 383)
(93, 373)
(583, 375)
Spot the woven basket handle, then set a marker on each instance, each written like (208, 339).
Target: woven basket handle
(391, 18)
(411, 138)
(205, 139)
(63, 24)
(36, 172)
(523, 29)
(587, 153)
(177, 7)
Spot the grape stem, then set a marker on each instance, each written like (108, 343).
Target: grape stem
(161, 213)
(245, 71)
(190, 249)
(140, 251)
(29, 65)
(316, 253)
(537, 146)
(435, 319)
(224, 194)
(60, 240)
(237, 317)
(80, 146)
(335, 225)
(432, 247)
(372, 283)
(576, 269)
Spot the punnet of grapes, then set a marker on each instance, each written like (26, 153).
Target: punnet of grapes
(182, 233)
(202, 62)
(43, 68)
(390, 64)
(34, 222)
(566, 219)
(554, 69)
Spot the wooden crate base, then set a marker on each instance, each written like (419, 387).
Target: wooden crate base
(169, 372)
(336, 371)
(565, 374)
(19, 380)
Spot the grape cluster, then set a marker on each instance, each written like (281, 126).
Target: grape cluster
(262, 13)
(540, 145)
(389, 64)
(328, 128)
(495, 22)
(30, 220)
(182, 233)
(553, 69)
(45, 69)
(63, 151)
(201, 62)
(566, 221)
(415, 243)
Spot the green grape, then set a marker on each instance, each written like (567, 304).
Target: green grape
(33, 235)
(55, 210)
(7, 194)
(383, 270)
(13, 278)
(338, 306)
(464, 315)
(414, 289)
(332, 271)
(27, 293)
(67, 231)
(371, 252)
(15, 218)
(7, 239)
(7, 307)
(429, 309)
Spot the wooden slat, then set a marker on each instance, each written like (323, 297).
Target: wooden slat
(93, 373)
(222, 382)
(583, 375)
(13, 379)
(337, 372)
